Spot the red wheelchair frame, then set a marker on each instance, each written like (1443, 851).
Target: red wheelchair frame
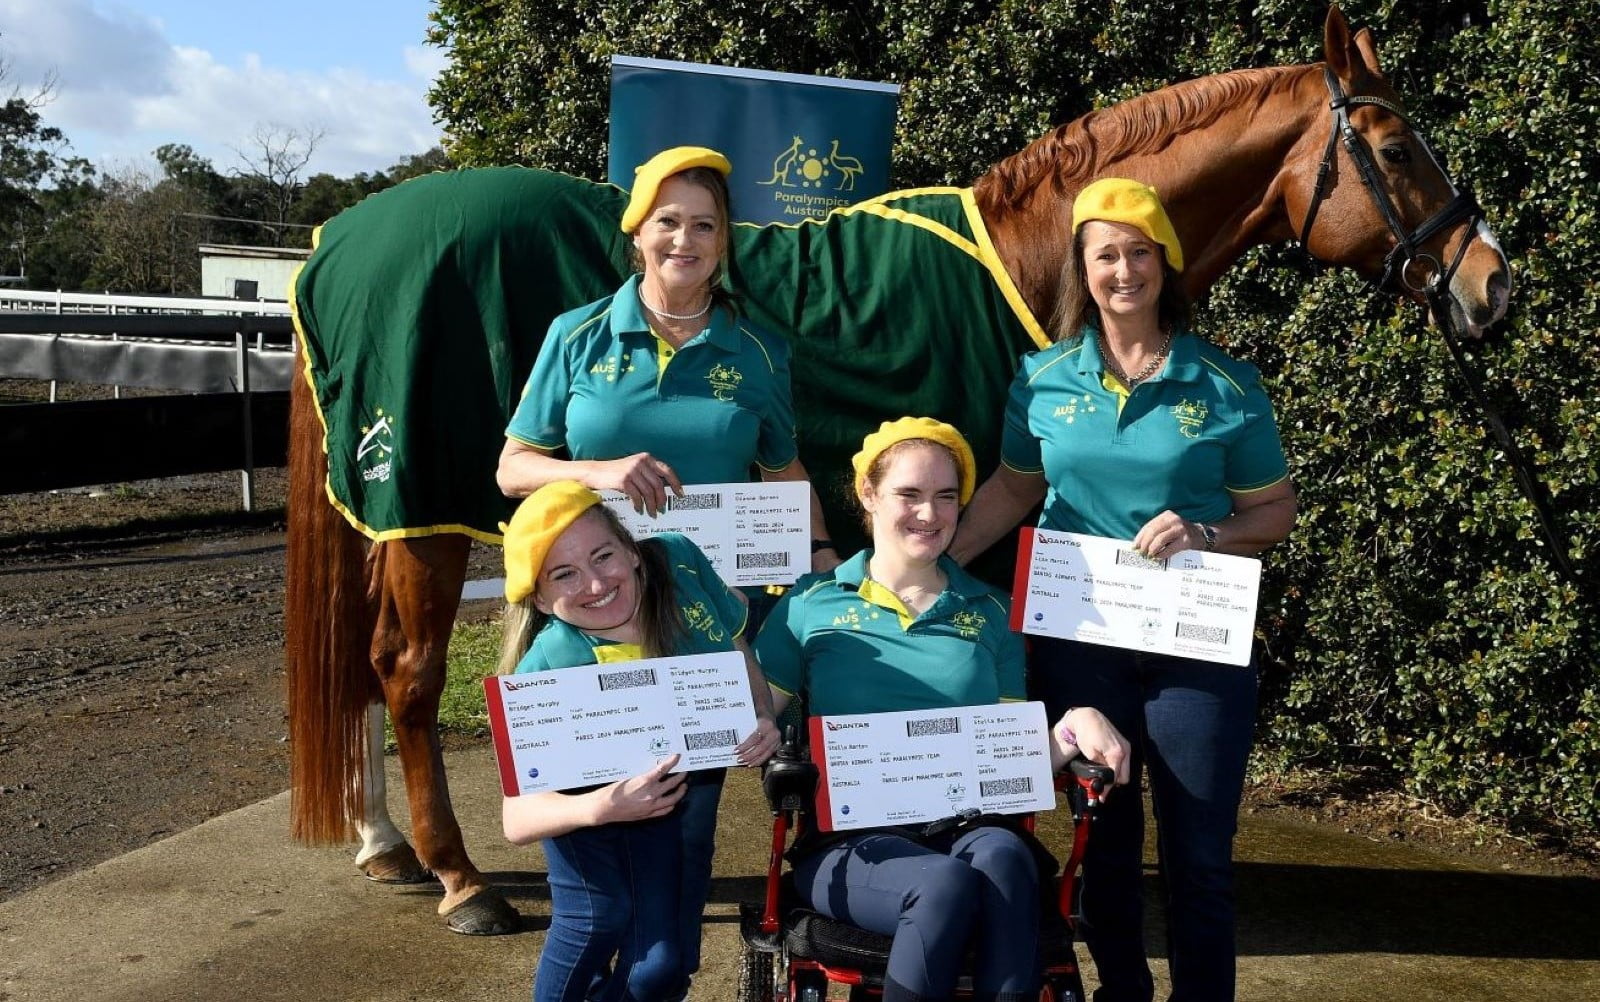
(792, 954)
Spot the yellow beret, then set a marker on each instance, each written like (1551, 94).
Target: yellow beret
(1119, 200)
(539, 521)
(649, 175)
(907, 429)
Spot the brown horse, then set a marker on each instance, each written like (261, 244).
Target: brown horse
(1236, 159)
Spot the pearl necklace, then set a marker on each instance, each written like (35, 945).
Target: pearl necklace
(1145, 373)
(663, 314)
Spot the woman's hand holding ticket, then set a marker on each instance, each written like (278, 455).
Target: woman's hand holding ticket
(648, 795)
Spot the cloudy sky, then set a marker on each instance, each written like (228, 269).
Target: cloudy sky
(131, 75)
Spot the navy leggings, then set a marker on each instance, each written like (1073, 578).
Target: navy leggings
(983, 890)
(1191, 725)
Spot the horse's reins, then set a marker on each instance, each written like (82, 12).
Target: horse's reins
(1397, 269)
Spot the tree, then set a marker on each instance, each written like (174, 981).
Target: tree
(139, 231)
(228, 203)
(325, 196)
(183, 166)
(419, 163)
(527, 82)
(62, 255)
(33, 159)
(274, 158)
(146, 230)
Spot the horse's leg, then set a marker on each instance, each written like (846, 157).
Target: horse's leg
(385, 855)
(418, 584)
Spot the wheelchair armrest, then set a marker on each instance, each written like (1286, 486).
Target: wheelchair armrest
(789, 778)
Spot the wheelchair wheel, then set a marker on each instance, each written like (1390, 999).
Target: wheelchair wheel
(755, 975)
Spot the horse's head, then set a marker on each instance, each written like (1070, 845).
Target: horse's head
(1369, 193)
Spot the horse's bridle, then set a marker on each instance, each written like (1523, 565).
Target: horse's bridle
(1407, 253)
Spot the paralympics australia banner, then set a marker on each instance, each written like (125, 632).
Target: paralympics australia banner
(800, 145)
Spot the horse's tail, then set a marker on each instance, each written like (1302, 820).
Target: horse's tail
(326, 634)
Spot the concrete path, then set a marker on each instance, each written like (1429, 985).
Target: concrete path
(231, 910)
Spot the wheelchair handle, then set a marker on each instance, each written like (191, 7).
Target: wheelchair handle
(1092, 776)
(789, 778)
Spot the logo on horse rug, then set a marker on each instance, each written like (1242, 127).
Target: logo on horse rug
(377, 440)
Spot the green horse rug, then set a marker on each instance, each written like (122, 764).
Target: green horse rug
(422, 308)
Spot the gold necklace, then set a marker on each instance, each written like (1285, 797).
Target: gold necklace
(1145, 373)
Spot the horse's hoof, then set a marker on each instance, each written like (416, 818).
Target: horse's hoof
(484, 914)
(399, 865)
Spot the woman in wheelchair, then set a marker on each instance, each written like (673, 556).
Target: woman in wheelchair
(901, 627)
(582, 591)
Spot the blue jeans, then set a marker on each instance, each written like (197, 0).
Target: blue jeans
(614, 895)
(1191, 724)
(983, 890)
(698, 816)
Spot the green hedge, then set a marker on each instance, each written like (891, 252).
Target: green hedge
(1413, 622)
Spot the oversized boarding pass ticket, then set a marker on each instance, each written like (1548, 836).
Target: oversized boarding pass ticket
(753, 534)
(572, 727)
(1103, 591)
(917, 766)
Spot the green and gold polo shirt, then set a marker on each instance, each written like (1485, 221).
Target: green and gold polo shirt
(851, 646)
(605, 386)
(1186, 439)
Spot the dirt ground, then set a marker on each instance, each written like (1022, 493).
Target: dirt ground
(141, 682)
(140, 670)
(141, 666)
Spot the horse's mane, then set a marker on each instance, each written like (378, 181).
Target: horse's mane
(1144, 124)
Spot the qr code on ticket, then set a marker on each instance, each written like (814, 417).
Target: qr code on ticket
(929, 728)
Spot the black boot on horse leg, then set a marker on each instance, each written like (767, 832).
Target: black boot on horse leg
(418, 585)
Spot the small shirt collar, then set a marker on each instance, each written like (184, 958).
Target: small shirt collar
(607, 652)
(627, 317)
(1183, 358)
(853, 572)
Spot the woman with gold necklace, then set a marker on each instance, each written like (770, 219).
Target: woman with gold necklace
(658, 386)
(1132, 427)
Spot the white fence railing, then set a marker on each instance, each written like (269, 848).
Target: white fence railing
(190, 353)
(22, 301)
